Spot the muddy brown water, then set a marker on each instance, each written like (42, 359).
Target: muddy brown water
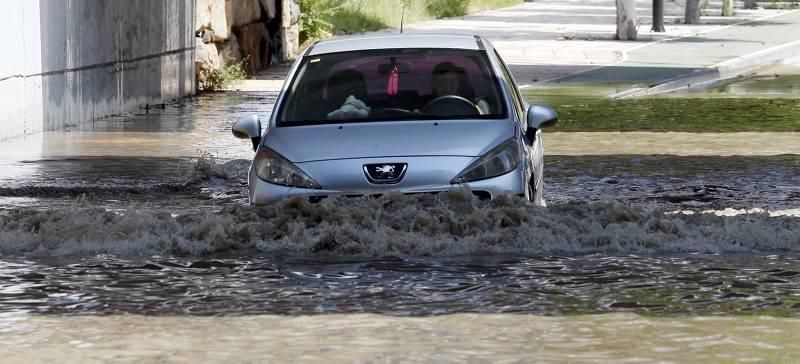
(114, 239)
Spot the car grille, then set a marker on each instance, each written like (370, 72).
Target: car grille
(481, 195)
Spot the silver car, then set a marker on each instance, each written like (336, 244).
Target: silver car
(403, 113)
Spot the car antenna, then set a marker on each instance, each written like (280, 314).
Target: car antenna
(403, 16)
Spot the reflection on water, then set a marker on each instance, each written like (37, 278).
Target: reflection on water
(781, 80)
(774, 85)
(313, 284)
(186, 129)
(363, 338)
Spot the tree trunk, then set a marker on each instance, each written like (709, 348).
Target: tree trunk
(658, 16)
(626, 19)
(727, 8)
(692, 12)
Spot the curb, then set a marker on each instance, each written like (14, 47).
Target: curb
(721, 71)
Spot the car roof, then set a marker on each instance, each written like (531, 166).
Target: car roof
(394, 41)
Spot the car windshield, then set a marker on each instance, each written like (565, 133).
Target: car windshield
(392, 84)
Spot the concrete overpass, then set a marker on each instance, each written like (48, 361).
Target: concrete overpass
(69, 62)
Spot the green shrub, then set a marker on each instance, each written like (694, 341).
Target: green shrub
(222, 78)
(347, 21)
(481, 5)
(447, 8)
(356, 16)
(312, 18)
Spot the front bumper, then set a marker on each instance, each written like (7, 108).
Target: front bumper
(424, 175)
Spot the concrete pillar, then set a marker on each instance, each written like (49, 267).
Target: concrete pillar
(82, 60)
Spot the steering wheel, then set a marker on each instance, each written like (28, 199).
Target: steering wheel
(450, 105)
(389, 112)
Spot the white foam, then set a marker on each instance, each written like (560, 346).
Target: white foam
(735, 212)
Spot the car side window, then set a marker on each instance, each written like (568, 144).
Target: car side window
(517, 100)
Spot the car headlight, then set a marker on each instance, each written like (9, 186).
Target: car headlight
(274, 168)
(499, 160)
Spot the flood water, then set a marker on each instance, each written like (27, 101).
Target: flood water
(131, 240)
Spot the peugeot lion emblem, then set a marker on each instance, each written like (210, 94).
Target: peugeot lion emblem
(385, 173)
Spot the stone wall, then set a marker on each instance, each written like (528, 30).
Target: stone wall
(261, 31)
(73, 61)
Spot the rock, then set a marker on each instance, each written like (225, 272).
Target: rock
(290, 31)
(207, 56)
(291, 13)
(202, 15)
(275, 52)
(253, 45)
(229, 52)
(206, 61)
(267, 47)
(269, 8)
(208, 36)
(290, 44)
(241, 12)
(219, 20)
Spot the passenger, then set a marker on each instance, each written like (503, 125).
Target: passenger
(346, 94)
(449, 79)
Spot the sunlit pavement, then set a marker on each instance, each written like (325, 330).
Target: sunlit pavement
(553, 43)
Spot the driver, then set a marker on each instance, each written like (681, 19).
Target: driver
(449, 79)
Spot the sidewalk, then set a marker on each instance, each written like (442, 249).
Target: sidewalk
(563, 42)
(691, 62)
(550, 39)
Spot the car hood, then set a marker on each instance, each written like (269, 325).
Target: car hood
(388, 139)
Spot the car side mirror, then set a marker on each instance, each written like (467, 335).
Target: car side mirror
(248, 127)
(541, 117)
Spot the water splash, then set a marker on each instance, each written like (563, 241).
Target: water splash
(447, 224)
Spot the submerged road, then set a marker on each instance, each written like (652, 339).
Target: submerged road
(187, 150)
(134, 232)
